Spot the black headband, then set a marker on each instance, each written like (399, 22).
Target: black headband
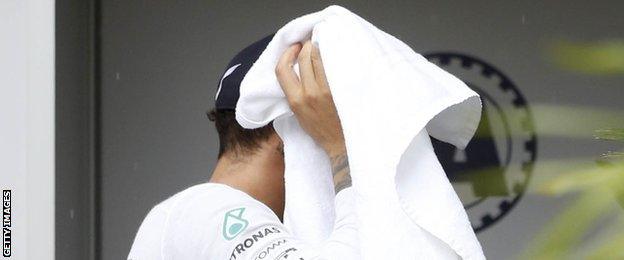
(229, 85)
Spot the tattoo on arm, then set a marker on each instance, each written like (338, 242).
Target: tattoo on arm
(340, 171)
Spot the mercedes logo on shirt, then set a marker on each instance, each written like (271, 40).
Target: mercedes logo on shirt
(234, 223)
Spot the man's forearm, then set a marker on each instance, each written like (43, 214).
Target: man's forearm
(340, 171)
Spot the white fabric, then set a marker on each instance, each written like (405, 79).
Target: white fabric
(191, 225)
(389, 99)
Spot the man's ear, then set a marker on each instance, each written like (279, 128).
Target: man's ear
(280, 148)
(276, 142)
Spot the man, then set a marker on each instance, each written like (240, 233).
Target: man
(237, 215)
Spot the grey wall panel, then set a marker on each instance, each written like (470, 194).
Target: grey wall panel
(74, 131)
(161, 62)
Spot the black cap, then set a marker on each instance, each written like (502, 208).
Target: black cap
(229, 85)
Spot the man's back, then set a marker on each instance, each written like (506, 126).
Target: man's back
(189, 225)
(215, 221)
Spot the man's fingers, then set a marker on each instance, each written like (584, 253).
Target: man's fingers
(319, 71)
(305, 65)
(286, 76)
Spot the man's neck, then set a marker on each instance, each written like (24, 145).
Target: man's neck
(261, 175)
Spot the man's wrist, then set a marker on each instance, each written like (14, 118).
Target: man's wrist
(340, 170)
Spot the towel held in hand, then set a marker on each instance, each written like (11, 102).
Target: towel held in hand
(389, 100)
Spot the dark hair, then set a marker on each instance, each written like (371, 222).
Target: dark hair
(233, 137)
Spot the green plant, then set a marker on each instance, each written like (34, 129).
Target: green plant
(597, 186)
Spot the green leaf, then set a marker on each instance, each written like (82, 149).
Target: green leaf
(615, 134)
(610, 250)
(564, 232)
(596, 58)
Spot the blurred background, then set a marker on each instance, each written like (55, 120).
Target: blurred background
(541, 179)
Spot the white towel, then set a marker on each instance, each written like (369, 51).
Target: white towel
(389, 100)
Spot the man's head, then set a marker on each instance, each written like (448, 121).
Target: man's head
(233, 138)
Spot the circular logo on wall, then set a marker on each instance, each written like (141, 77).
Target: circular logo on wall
(492, 173)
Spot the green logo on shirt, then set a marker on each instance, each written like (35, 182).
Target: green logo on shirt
(234, 223)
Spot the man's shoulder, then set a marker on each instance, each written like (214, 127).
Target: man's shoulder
(196, 191)
(179, 216)
(207, 195)
(196, 218)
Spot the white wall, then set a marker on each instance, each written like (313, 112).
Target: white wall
(27, 123)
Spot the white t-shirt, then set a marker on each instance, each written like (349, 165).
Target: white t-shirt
(215, 221)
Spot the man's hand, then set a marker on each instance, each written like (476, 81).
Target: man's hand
(312, 103)
(310, 98)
